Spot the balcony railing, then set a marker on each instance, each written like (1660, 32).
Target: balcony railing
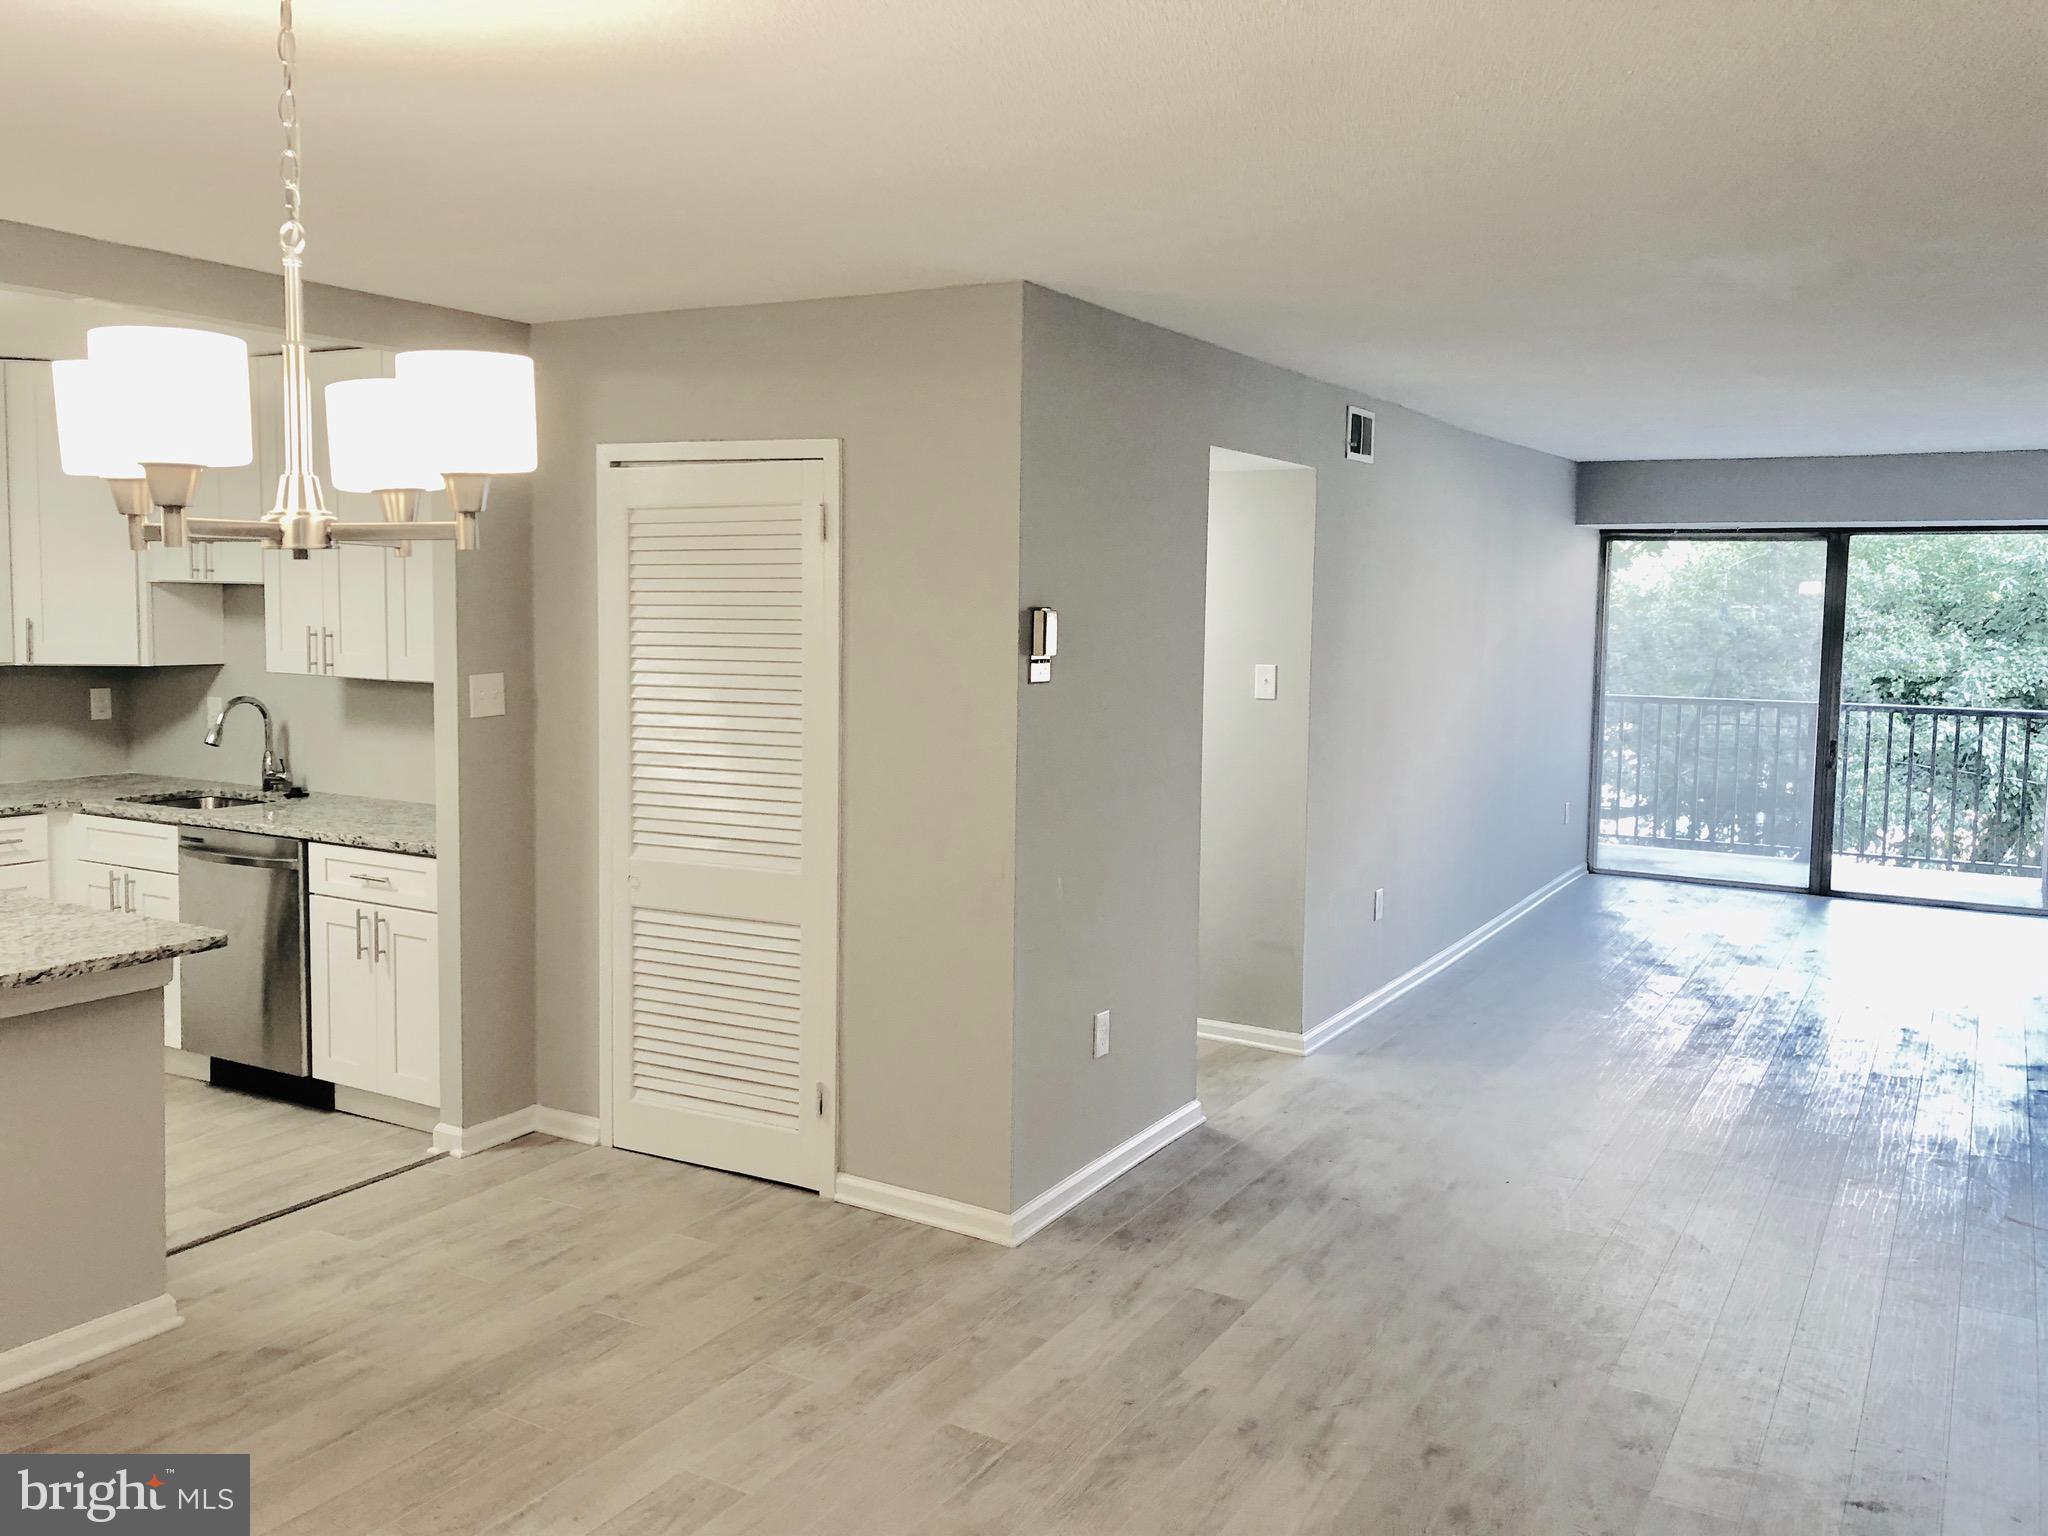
(1917, 786)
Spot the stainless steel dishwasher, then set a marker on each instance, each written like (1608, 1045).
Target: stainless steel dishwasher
(246, 1003)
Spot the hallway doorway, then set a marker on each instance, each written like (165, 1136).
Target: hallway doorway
(1255, 695)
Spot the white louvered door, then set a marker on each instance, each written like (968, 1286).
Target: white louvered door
(719, 603)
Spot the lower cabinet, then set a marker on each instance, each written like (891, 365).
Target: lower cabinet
(25, 856)
(150, 892)
(376, 997)
(26, 879)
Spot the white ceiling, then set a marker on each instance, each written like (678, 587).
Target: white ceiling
(1609, 228)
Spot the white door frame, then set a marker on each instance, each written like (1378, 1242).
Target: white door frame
(611, 799)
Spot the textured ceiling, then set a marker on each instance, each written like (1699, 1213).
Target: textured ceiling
(1609, 228)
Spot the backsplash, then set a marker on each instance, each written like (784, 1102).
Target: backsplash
(341, 735)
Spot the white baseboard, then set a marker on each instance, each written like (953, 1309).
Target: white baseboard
(930, 1210)
(1011, 1228)
(1349, 1018)
(462, 1140)
(88, 1341)
(1286, 1041)
(567, 1125)
(1112, 1165)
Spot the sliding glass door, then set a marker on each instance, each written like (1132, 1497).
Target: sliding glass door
(1863, 713)
(1709, 703)
(1944, 733)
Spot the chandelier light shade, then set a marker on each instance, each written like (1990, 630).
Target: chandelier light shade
(168, 395)
(376, 439)
(478, 407)
(151, 408)
(85, 424)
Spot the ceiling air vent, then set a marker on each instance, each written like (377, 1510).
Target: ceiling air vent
(1358, 435)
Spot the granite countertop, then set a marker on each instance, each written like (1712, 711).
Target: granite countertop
(43, 941)
(395, 826)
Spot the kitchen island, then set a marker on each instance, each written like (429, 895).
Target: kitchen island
(82, 1131)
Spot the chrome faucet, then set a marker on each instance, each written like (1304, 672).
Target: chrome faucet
(277, 773)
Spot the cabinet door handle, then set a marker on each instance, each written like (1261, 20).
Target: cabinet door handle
(312, 659)
(113, 890)
(127, 893)
(327, 648)
(28, 630)
(359, 933)
(372, 879)
(379, 951)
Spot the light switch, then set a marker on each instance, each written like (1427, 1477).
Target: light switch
(1265, 680)
(486, 694)
(101, 703)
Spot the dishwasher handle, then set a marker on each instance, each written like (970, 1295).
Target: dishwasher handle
(244, 860)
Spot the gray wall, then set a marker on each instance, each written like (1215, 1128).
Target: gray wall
(1261, 584)
(923, 390)
(1890, 488)
(342, 735)
(1451, 696)
(81, 1108)
(46, 730)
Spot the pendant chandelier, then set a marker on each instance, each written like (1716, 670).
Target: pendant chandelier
(149, 409)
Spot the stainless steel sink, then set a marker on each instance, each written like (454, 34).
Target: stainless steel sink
(189, 802)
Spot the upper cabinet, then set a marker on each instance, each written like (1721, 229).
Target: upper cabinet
(73, 594)
(358, 610)
(78, 596)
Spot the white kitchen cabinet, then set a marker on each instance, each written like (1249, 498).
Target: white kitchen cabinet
(376, 1011)
(78, 594)
(26, 879)
(25, 856)
(356, 610)
(342, 993)
(148, 893)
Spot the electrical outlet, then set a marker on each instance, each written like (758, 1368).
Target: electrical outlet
(1102, 1033)
(1265, 680)
(486, 694)
(1379, 903)
(100, 703)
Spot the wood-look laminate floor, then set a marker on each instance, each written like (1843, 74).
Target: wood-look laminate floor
(1669, 1210)
(232, 1157)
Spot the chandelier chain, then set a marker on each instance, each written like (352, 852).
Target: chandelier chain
(291, 235)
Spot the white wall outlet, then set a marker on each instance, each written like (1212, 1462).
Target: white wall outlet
(100, 703)
(486, 694)
(1265, 680)
(1379, 903)
(1102, 1033)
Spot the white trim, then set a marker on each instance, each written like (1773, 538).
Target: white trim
(464, 1140)
(1348, 1018)
(1286, 1041)
(535, 1119)
(1112, 1165)
(932, 1210)
(566, 1125)
(88, 1341)
(1034, 1215)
